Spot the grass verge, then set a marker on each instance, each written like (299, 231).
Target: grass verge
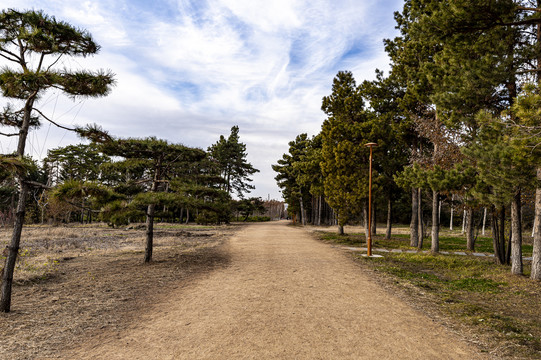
(482, 298)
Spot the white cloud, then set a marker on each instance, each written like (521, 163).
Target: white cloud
(189, 70)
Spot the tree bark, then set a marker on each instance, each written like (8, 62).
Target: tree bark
(421, 232)
(498, 234)
(435, 246)
(303, 220)
(149, 232)
(484, 220)
(319, 211)
(13, 250)
(452, 211)
(414, 224)
(150, 213)
(536, 261)
(9, 265)
(389, 218)
(516, 236)
(536, 254)
(470, 238)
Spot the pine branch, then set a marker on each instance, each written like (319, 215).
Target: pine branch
(528, 9)
(16, 60)
(54, 62)
(36, 184)
(40, 62)
(4, 134)
(52, 122)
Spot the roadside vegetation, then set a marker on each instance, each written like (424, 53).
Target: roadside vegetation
(457, 128)
(491, 307)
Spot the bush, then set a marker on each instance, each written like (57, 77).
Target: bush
(206, 217)
(257, 218)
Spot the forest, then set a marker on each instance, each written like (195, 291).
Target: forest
(457, 123)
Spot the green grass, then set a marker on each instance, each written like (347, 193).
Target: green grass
(451, 243)
(473, 291)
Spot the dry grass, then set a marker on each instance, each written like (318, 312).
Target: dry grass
(72, 282)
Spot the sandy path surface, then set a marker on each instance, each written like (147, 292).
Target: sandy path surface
(283, 296)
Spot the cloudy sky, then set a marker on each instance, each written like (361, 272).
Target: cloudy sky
(189, 70)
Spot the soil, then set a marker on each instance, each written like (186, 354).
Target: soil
(271, 291)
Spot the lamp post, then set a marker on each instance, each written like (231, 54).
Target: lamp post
(369, 240)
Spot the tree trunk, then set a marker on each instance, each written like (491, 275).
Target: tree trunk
(516, 237)
(421, 232)
(498, 234)
(319, 211)
(414, 224)
(470, 238)
(13, 250)
(83, 211)
(463, 220)
(303, 220)
(484, 220)
(340, 230)
(150, 232)
(150, 213)
(452, 211)
(9, 265)
(389, 218)
(435, 246)
(536, 261)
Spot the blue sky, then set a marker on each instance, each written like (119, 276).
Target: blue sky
(187, 71)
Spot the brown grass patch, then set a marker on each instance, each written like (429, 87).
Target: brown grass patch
(72, 282)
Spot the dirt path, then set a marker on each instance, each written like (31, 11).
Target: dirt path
(284, 296)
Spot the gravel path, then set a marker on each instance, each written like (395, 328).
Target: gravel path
(283, 296)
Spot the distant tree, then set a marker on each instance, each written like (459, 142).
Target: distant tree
(290, 176)
(75, 162)
(247, 207)
(198, 188)
(35, 42)
(230, 154)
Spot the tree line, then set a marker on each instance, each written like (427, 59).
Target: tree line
(113, 179)
(456, 120)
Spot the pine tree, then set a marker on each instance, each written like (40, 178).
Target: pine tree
(290, 176)
(34, 42)
(345, 158)
(159, 157)
(395, 134)
(230, 154)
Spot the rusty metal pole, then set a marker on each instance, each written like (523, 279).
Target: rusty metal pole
(369, 240)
